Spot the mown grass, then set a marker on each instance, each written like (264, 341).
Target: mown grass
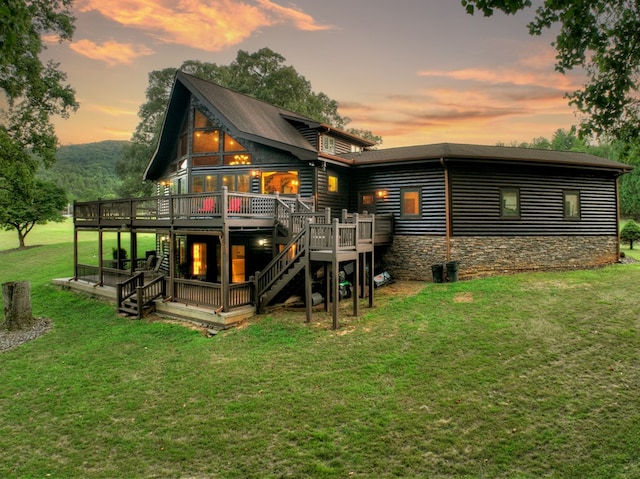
(532, 375)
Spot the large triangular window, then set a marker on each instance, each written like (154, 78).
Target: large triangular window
(213, 147)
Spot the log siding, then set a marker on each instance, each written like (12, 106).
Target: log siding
(475, 201)
(390, 181)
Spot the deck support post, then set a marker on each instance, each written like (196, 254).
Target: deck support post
(371, 276)
(75, 252)
(100, 256)
(226, 268)
(308, 280)
(335, 270)
(356, 286)
(327, 284)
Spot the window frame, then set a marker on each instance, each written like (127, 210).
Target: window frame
(329, 183)
(403, 192)
(327, 144)
(229, 151)
(518, 210)
(565, 215)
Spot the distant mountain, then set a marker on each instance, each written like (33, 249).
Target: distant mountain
(87, 171)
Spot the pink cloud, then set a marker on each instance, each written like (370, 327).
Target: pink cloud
(110, 52)
(209, 25)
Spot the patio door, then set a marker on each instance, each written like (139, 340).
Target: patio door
(238, 255)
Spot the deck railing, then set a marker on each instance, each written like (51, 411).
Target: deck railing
(218, 204)
(201, 293)
(198, 293)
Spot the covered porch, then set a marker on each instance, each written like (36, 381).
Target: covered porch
(206, 251)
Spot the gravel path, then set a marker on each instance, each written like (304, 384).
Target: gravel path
(12, 339)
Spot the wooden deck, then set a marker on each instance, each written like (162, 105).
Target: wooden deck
(301, 231)
(204, 210)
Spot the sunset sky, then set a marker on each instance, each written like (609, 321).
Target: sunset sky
(413, 71)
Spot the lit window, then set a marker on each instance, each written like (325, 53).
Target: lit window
(207, 160)
(241, 182)
(510, 203)
(285, 182)
(410, 202)
(206, 141)
(201, 121)
(231, 145)
(571, 200)
(238, 159)
(199, 256)
(332, 184)
(202, 183)
(368, 199)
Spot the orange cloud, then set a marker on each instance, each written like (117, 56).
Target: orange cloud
(300, 19)
(209, 25)
(110, 110)
(111, 52)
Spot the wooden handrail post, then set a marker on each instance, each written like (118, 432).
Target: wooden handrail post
(140, 300)
(225, 203)
(256, 289)
(357, 235)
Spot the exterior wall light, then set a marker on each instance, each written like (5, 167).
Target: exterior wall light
(381, 194)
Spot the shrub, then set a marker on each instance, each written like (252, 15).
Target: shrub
(630, 233)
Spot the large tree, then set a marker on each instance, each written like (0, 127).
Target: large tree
(24, 200)
(262, 74)
(33, 92)
(602, 37)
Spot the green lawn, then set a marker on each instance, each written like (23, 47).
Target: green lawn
(523, 376)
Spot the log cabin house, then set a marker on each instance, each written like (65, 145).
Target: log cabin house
(255, 203)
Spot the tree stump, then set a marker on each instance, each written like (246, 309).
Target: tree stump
(17, 306)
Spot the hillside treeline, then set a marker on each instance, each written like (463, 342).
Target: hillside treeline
(87, 171)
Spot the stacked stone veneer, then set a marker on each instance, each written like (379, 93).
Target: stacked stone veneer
(411, 257)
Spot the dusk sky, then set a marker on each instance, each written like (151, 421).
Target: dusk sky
(412, 71)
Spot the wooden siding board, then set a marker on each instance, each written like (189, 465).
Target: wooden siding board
(335, 201)
(391, 180)
(475, 204)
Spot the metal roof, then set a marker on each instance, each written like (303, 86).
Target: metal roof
(253, 119)
(452, 151)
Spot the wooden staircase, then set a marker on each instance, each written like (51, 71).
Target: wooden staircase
(286, 266)
(137, 299)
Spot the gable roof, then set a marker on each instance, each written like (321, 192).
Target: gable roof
(453, 151)
(246, 117)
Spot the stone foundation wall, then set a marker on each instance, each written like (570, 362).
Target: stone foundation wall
(411, 257)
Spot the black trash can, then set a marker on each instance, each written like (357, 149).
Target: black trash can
(452, 271)
(438, 273)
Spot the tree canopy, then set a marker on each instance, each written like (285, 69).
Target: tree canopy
(630, 233)
(601, 36)
(262, 74)
(34, 91)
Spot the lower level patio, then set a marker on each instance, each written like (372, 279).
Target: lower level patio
(201, 315)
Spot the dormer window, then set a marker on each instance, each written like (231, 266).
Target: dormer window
(327, 144)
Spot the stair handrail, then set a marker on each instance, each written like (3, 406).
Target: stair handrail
(278, 266)
(126, 289)
(148, 293)
(283, 213)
